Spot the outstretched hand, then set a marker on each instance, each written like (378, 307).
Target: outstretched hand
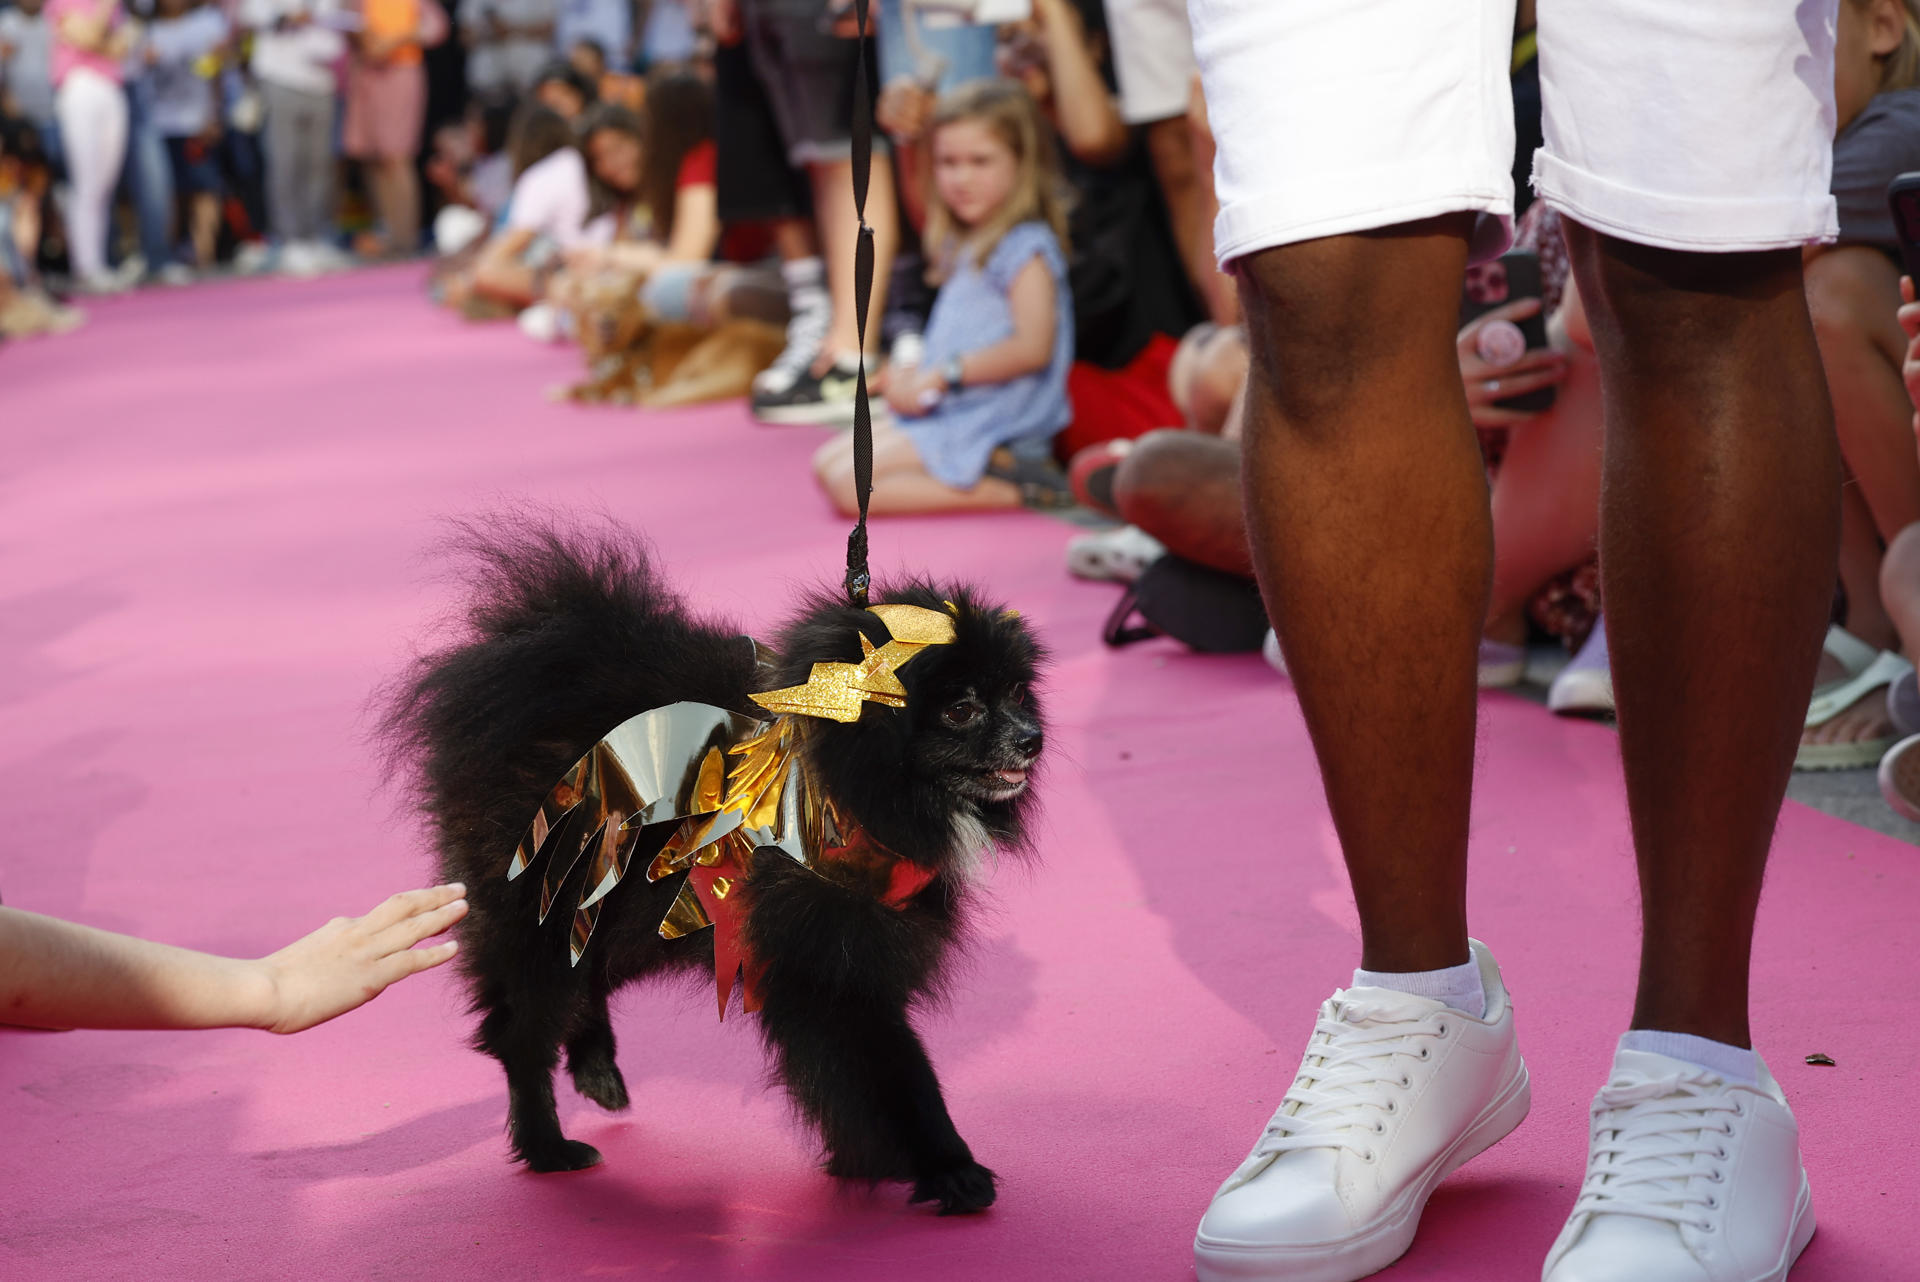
(351, 960)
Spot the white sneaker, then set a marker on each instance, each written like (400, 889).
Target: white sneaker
(1690, 1178)
(252, 258)
(540, 322)
(1394, 1094)
(1586, 684)
(297, 259)
(1119, 555)
(806, 334)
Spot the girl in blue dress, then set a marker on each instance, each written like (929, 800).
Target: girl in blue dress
(982, 406)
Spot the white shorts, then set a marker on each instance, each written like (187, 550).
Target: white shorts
(1152, 57)
(1681, 124)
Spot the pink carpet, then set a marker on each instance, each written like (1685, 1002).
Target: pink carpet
(213, 510)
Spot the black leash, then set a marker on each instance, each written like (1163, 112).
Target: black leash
(858, 577)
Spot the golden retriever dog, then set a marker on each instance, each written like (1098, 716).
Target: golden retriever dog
(633, 358)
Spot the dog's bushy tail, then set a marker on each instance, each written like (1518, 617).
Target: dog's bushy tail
(566, 632)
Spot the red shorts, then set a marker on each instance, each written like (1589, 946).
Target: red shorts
(1117, 404)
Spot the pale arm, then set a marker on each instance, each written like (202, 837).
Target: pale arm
(1029, 349)
(1089, 122)
(56, 974)
(499, 274)
(696, 224)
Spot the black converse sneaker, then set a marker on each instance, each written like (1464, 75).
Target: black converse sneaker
(824, 399)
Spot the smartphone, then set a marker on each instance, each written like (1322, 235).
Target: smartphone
(1515, 275)
(1903, 197)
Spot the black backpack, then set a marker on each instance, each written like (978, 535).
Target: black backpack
(1206, 609)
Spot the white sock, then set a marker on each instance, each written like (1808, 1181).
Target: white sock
(1735, 1063)
(1457, 986)
(806, 280)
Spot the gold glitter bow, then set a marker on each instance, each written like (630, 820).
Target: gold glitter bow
(837, 691)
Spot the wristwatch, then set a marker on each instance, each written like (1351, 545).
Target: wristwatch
(952, 373)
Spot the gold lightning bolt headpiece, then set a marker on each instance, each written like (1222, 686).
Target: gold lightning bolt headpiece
(838, 691)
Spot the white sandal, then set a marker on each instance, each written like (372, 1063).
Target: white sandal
(1867, 670)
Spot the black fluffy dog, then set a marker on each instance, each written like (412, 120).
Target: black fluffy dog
(571, 634)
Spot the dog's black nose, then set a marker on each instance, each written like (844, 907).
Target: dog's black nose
(1030, 745)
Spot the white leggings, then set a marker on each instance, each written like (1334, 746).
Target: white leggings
(93, 132)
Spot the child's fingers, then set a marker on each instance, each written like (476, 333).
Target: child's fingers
(411, 961)
(1538, 358)
(410, 903)
(1906, 289)
(405, 934)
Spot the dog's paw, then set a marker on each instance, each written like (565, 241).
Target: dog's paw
(603, 1084)
(961, 1190)
(562, 1155)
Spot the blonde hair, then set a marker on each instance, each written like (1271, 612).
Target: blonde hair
(1007, 110)
(1901, 68)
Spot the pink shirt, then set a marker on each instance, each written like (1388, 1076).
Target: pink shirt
(65, 57)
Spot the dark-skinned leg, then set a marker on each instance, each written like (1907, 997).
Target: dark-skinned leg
(1719, 529)
(1366, 507)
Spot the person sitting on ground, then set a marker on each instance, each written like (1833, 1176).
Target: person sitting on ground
(589, 59)
(1900, 595)
(566, 90)
(59, 975)
(547, 213)
(1131, 296)
(660, 181)
(1853, 292)
(975, 421)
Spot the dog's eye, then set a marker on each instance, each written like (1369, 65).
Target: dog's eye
(961, 713)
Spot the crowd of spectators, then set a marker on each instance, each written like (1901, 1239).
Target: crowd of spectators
(147, 142)
(1048, 325)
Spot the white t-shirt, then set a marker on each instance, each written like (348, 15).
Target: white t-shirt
(301, 57)
(550, 199)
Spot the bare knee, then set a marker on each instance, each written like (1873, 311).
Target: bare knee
(1852, 294)
(1692, 310)
(1184, 489)
(1335, 321)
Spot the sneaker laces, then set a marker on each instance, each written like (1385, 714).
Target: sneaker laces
(806, 334)
(1352, 1076)
(1656, 1143)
